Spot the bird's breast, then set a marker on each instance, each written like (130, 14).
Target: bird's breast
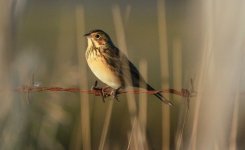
(102, 70)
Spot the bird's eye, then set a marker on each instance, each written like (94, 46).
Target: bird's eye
(97, 36)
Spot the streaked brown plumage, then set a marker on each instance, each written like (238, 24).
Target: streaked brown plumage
(111, 66)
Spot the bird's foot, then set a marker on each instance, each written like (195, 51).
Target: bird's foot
(100, 91)
(104, 92)
(114, 93)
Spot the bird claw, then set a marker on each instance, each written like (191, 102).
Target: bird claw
(99, 91)
(105, 91)
(114, 94)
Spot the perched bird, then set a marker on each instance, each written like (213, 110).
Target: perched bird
(113, 67)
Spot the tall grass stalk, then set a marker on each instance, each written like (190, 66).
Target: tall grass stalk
(135, 134)
(219, 73)
(143, 105)
(163, 46)
(206, 57)
(85, 114)
(177, 83)
(234, 125)
(106, 125)
(11, 127)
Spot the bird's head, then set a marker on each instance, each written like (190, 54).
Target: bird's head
(98, 38)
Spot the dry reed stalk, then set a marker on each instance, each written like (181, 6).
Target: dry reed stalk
(221, 66)
(164, 71)
(120, 34)
(85, 115)
(177, 83)
(203, 70)
(143, 105)
(234, 125)
(235, 114)
(106, 125)
(4, 24)
(10, 115)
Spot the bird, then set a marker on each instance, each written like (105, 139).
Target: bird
(111, 66)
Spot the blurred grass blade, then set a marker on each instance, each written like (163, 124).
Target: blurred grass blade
(85, 114)
(164, 71)
(106, 125)
(137, 142)
(143, 105)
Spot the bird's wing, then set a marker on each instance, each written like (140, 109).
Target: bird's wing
(130, 73)
(124, 68)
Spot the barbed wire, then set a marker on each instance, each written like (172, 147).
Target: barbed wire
(98, 90)
(101, 91)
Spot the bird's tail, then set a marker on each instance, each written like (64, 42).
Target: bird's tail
(159, 96)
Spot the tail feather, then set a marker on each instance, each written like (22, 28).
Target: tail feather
(160, 96)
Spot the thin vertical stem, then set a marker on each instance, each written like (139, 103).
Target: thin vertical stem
(85, 115)
(164, 71)
(207, 52)
(177, 82)
(143, 104)
(106, 126)
(234, 124)
(120, 34)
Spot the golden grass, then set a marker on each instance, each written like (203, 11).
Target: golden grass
(164, 60)
(61, 121)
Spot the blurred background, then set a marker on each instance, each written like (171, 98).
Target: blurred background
(171, 41)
